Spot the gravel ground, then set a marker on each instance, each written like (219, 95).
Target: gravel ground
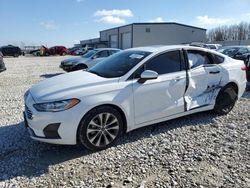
(201, 150)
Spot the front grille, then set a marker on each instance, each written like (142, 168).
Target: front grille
(28, 113)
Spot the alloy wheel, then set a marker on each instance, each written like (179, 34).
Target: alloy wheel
(102, 129)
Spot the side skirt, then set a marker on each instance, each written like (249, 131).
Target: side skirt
(192, 111)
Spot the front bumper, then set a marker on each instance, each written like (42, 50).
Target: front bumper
(50, 131)
(67, 67)
(51, 127)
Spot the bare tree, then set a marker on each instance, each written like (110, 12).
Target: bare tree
(233, 32)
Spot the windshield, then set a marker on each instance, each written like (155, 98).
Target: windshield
(89, 53)
(228, 51)
(118, 64)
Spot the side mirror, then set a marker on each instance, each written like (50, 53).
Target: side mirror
(95, 57)
(148, 75)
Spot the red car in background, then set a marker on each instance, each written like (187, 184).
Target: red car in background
(57, 50)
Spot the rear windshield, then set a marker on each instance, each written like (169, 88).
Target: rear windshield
(229, 51)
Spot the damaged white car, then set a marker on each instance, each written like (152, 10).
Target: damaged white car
(131, 89)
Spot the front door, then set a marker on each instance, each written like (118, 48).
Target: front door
(164, 96)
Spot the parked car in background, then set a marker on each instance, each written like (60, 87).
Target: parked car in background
(236, 52)
(240, 53)
(88, 60)
(2, 65)
(79, 50)
(72, 50)
(82, 51)
(199, 44)
(57, 50)
(214, 46)
(11, 51)
(35, 52)
(131, 89)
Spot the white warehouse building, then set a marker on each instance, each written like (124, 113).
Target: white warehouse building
(146, 34)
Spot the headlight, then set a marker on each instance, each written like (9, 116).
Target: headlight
(56, 106)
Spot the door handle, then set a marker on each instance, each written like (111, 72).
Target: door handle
(214, 72)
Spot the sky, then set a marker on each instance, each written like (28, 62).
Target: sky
(66, 22)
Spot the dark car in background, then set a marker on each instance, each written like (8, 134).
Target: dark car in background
(240, 53)
(79, 50)
(10, 51)
(57, 50)
(236, 52)
(2, 65)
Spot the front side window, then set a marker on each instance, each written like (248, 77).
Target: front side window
(102, 54)
(197, 58)
(165, 63)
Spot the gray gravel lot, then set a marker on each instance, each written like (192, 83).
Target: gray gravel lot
(201, 150)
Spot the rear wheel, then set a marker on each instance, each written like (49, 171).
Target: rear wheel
(225, 100)
(100, 128)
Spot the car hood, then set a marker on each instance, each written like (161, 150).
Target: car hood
(66, 86)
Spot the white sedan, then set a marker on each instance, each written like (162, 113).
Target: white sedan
(131, 89)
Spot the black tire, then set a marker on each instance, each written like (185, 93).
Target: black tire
(81, 67)
(16, 55)
(225, 100)
(98, 137)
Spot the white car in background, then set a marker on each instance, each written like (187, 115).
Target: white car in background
(131, 89)
(88, 60)
(214, 46)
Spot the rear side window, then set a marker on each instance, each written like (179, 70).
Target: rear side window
(165, 63)
(197, 58)
(103, 53)
(217, 59)
(111, 52)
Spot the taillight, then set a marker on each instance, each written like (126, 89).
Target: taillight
(244, 67)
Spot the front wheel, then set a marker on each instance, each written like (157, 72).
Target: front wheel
(100, 128)
(225, 100)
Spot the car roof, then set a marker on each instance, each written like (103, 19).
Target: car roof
(157, 48)
(99, 49)
(9, 46)
(235, 47)
(161, 48)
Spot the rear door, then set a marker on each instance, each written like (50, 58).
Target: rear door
(204, 79)
(164, 96)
